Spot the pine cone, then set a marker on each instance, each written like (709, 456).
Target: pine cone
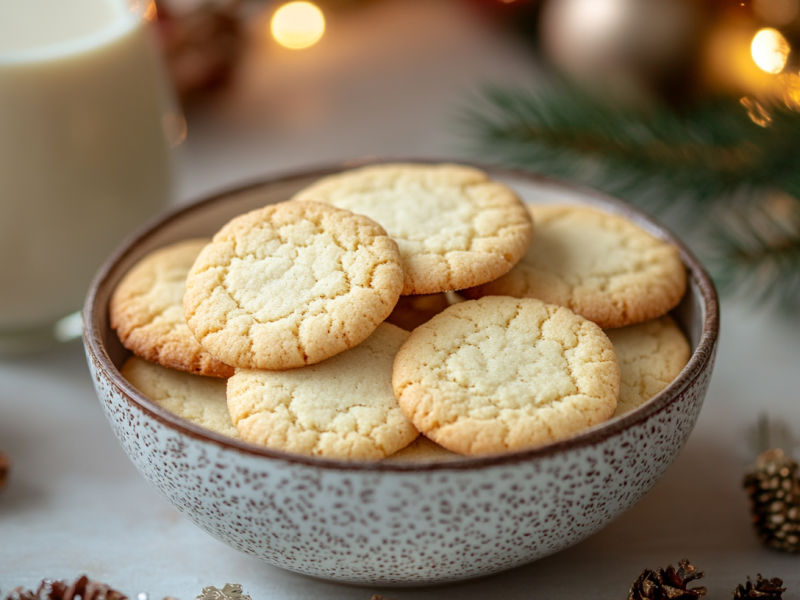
(774, 491)
(3, 470)
(82, 587)
(202, 40)
(667, 584)
(766, 589)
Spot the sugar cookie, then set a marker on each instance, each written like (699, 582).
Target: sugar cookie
(147, 311)
(201, 400)
(601, 266)
(454, 226)
(650, 356)
(500, 374)
(291, 284)
(341, 408)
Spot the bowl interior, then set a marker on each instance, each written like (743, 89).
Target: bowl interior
(697, 314)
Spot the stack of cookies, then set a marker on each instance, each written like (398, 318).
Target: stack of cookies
(327, 325)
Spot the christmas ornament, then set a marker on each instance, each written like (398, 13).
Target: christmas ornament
(669, 51)
(765, 589)
(774, 491)
(231, 591)
(3, 470)
(633, 51)
(201, 40)
(667, 584)
(82, 587)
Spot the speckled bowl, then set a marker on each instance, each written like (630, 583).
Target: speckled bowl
(397, 523)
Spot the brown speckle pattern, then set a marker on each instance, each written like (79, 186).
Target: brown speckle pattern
(385, 526)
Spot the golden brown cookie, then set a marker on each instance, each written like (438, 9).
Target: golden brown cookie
(650, 356)
(454, 226)
(201, 400)
(341, 408)
(291, 284)
(501, 374)
(147, 311)
(601, 266)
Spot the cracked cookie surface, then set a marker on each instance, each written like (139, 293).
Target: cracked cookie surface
(291, 284)
(147, 311)
(601, 266)
(454, 226)
(501, 374)
(650, 356)
(341, 408)
(201, 400)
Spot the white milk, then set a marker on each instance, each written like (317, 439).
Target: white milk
(83, 159)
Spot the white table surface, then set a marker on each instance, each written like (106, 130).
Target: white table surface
(386, 81)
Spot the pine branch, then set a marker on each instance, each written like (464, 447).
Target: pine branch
(655, 159)
(757, 252)
(732, 158)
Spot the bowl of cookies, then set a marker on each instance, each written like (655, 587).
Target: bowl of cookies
(402, 373)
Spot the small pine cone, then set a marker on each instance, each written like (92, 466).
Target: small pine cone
(202, 40)
(774, 491)
(765, 589)
(82, 587)
(667, 584)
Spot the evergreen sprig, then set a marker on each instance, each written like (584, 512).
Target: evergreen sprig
(728, 156)
(756, 252)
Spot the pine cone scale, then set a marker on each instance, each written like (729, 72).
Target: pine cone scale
(82, 587)
(667, 584)
(767, 589)
(774, 491)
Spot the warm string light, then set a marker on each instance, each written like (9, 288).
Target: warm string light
(788, 90)
(770, 50)
(756, 112)
(298, 25)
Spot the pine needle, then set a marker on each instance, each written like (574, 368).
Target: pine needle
(756, 252)
(655, 159)
(725, 159)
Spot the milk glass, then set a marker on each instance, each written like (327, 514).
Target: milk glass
(83, 155)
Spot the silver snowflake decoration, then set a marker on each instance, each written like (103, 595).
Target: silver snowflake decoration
(231, 591)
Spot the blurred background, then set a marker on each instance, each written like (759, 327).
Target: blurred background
(689, 109)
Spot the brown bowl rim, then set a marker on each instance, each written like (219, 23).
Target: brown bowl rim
(699, 360)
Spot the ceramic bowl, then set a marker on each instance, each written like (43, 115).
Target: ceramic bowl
(397, 523)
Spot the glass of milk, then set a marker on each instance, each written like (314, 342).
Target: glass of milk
(83, 156)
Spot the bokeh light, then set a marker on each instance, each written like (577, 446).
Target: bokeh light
(756, 112)
(770, 50)
(298, 25)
